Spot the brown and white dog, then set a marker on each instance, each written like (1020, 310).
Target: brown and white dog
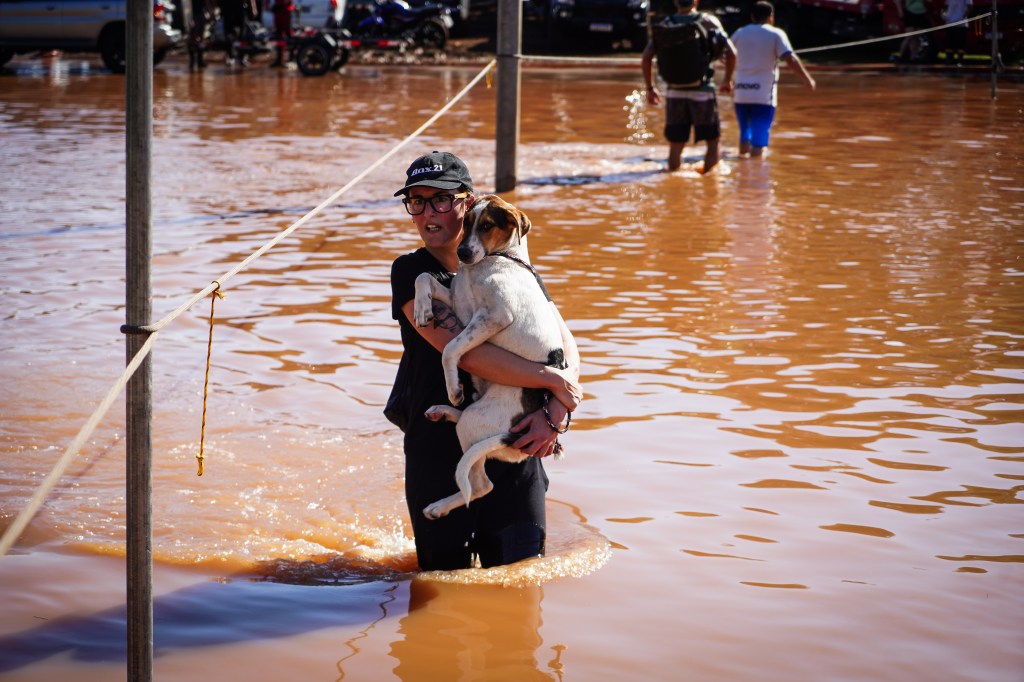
(497, 297)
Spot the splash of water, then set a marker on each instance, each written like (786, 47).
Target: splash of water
(636, 121)
(575, 549)
(576, 564)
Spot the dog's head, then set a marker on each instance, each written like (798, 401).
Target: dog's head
(491, 225)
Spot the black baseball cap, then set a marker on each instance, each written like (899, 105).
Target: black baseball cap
(442, 170)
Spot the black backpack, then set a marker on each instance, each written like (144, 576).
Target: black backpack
(685, 49)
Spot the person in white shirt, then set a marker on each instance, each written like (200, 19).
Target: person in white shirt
(760, 46)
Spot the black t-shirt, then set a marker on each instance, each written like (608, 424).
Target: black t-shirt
(422, 361)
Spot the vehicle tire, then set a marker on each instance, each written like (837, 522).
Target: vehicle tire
(6, 56)
(341, 59)
(314, 59)
(432, 36)
(112, 48)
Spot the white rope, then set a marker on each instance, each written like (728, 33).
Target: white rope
(902, 35)
(22, 520)
(598, 60)
(636, 60)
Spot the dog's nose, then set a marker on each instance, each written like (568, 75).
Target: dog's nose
(464, 253)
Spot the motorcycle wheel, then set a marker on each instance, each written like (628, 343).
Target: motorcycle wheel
(314, 59)
(433, 35)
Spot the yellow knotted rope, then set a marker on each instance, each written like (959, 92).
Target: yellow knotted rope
(214, 295)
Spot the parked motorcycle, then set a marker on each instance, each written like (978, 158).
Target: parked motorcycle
(397, 23)
(317, 52)
(372, 24)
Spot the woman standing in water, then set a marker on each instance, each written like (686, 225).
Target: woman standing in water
(508, 524)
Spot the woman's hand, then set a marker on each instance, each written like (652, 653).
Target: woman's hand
(565, 388)
(538, 439)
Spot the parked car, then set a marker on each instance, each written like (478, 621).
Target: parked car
(611, 19)
(79, 26)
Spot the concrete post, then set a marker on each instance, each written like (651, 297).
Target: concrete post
(996, 59)
(138, 310)
(510, 34)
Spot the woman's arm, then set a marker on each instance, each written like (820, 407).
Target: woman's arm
(498, 365)
(540, 427)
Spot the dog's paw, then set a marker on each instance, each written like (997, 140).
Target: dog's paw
(422, 317)
(440, 413)
(434, 511)
(456, 395)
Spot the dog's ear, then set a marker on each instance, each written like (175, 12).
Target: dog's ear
(524, 224)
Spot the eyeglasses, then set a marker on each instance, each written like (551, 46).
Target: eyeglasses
(441, 203)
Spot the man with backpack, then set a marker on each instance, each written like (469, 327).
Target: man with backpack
(686, 45)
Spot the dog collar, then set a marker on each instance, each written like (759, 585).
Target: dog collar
(517, 259)
(533, 270)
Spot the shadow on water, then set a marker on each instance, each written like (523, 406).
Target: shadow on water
(288, 598)
(284, 599)
(572, 180)
(616, 178)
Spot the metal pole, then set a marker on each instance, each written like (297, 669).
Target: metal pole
(995, 44)
(510, 33)
(138, 310)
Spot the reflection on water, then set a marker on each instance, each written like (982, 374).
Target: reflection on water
(499, 641)
(803, 378)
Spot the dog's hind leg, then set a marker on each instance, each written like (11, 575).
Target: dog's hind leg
(441, 508)
(470, 477)
(440, 413)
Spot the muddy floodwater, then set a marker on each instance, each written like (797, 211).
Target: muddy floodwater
(801, 453)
